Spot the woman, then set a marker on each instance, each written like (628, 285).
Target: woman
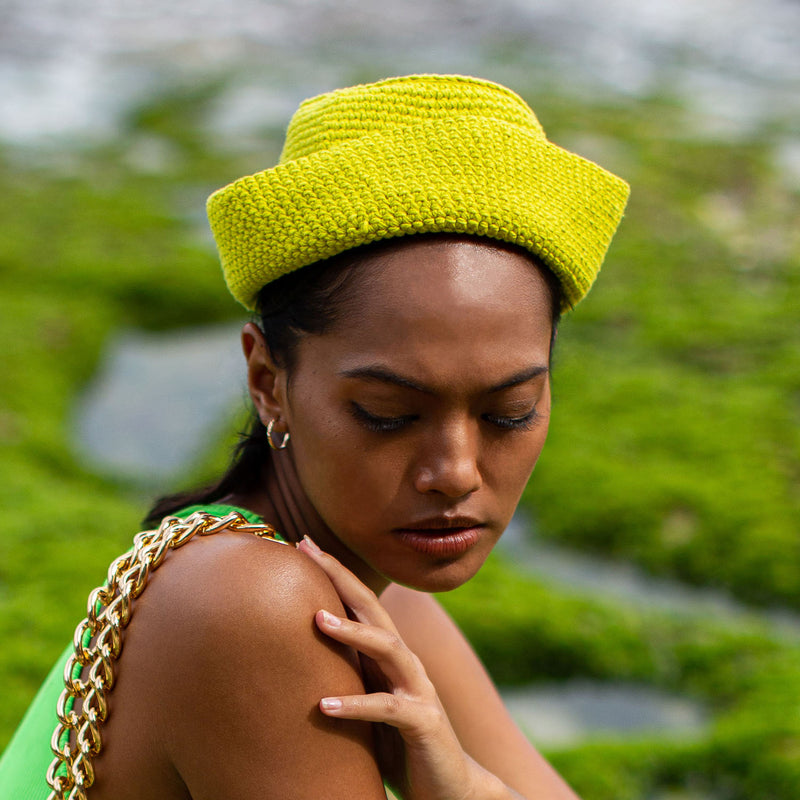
(408, 259)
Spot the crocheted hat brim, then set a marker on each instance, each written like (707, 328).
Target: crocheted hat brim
(467, 175)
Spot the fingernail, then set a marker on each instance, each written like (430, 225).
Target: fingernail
(330, 703)
(311, 543)
(331, 620)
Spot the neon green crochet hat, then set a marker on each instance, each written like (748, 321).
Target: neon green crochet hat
(416, 154)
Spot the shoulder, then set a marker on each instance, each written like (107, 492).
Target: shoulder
(234, 592)
(223, 666)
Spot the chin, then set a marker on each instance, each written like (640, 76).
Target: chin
(442, 578)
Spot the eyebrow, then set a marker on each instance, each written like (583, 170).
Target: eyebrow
(520, 377)
(380, 374)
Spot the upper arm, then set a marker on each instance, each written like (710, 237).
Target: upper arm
(229, 658)
(473, 705)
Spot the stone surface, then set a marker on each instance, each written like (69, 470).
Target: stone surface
(159, 401)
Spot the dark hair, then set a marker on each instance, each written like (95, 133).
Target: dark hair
(305, 302)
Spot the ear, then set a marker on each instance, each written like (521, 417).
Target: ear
(266, 381)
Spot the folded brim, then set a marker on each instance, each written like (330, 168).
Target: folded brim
(466, 175)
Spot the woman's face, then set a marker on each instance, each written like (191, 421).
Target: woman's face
(416, 420)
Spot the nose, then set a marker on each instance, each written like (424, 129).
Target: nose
(450, 465)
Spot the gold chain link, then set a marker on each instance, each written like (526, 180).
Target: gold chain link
(89, 671)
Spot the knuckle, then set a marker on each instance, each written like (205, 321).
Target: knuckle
(384, 643)
(393, 642)
(355, 703)
(427, 720)
(392, 705)
(433, 715)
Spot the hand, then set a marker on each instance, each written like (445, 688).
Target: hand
(419, 754)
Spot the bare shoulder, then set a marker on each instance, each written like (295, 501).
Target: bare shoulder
(233, 600)
(222, 672)
(235, 583)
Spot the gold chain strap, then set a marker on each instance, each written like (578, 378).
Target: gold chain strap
(89, 672)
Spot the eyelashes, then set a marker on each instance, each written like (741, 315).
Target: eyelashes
(514, 423)
(379, 424)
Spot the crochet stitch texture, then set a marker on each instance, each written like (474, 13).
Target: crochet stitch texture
(416, 154)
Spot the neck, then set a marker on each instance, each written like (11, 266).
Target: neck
(281, 501)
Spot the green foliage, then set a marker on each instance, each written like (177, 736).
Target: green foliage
(748, 679)
(674, 440)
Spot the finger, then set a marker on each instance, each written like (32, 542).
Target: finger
(434, 760)
(360, 599)
(409, 716)
(397, 663)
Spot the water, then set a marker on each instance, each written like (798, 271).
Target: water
(562, 715)
(598, 577)
(73, 67)
(158, 400)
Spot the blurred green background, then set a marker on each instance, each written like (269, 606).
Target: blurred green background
(675, 439)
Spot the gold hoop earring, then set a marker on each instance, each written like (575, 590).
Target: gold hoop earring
(283, 442)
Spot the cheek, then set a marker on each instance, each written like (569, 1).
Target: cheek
(516, 464)
(344, 480)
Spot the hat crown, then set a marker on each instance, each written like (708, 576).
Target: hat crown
(346, 114)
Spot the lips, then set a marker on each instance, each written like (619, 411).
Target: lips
(442, 536)
(442, 523)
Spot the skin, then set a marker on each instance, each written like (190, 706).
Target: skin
(426, 409)
(460, 443)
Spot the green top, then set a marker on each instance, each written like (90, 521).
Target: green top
(24, 763)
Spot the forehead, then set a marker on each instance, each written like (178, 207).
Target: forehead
(459, 270)
(439, 308)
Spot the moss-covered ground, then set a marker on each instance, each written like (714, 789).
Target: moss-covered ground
(675, 438)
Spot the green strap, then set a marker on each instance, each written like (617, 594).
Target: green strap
(222, 510)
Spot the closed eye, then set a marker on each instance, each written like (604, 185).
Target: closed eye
(513, 423)
(379, 424)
